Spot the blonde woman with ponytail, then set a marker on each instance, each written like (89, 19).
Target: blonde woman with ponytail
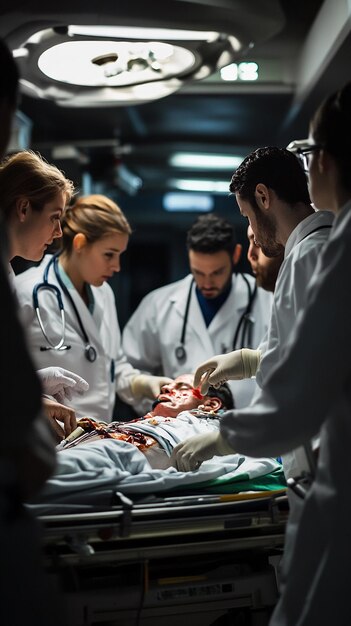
(95, 233)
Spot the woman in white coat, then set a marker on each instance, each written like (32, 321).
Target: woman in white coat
(310, 390)
(95, 234)
(33, 196)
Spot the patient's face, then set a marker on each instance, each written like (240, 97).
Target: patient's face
(177, 396)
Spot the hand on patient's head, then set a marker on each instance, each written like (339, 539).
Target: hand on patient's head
(148, 386)
(220, 368)
(59, 414)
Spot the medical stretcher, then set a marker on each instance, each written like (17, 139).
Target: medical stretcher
(185, 559)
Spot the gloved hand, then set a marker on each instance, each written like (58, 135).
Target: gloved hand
(61, 383)
(147, 386)
(232, 366)
(189, 454)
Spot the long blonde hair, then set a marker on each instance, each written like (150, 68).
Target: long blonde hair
(26, 174)
(95, 216)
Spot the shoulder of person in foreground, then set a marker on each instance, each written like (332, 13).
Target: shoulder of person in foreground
(27, 453)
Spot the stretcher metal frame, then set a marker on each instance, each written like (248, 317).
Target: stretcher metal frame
(191, 527)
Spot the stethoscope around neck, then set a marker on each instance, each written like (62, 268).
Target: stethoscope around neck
(89, 350)
(243, 329)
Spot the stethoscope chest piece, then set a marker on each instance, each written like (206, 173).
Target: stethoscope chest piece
(180, 353)
(90, 353)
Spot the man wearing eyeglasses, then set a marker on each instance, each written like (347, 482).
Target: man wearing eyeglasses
(272, 192)
(303, 148)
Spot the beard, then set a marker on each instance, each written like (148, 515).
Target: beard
(266, 276)
(267, 241)
(217, 291)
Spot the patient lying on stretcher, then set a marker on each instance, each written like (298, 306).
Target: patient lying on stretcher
(180, 411)
(103, 461)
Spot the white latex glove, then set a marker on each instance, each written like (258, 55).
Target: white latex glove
(61, 384)
(189, 454)
(147, 386)
(232, 366)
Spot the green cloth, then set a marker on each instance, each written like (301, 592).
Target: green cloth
(241, 482)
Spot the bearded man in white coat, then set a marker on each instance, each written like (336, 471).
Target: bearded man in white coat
(309, 391)
(272, 193)
(213, 309)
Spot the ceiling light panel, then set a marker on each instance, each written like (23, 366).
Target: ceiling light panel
(205, 161)
(209, 186)
(180, 201)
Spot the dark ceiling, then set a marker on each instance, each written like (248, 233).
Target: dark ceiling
(302, 48)
(301, 55)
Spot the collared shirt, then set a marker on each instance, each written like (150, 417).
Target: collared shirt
(67, 281)
(210, 306)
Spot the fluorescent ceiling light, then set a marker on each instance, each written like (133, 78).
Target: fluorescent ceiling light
(18, 53)
(127, 181)
(211, 186)
(131, 32)
(229, 72)
(21, 132)
(205, 161)
(177, 201)
(248, 71)
(242, 72)
(69, 151)
(112, 63)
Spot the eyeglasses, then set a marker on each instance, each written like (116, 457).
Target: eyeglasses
(303, 148)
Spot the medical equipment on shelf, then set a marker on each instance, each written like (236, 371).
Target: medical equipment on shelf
(89, 350)
(244, 325)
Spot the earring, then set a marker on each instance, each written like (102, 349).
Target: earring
(201, 406)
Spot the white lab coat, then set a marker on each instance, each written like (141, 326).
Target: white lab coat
(310, 391)
(102, 329)
(302, 251)
(154, 330)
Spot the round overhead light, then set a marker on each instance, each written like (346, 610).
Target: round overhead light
(75, 66)
(114, 63)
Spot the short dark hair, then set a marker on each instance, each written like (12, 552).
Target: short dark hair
(211, 233)
(224, 393)
(331, 128)
(9, 76)
(278, 169)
